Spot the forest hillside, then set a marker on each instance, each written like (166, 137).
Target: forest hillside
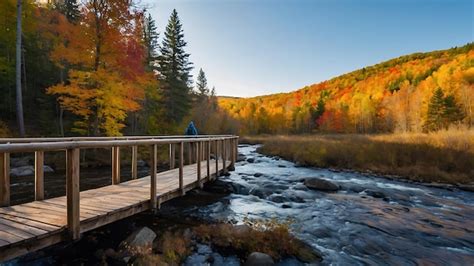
(413, 93)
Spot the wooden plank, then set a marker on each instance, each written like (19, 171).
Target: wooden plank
(32, 223)
(39, 175)
(115, 165)
(153, 164)
(72, 192)
(4, 179)
(9, 237)
(181, 164)
(134, 162)
(20, 226)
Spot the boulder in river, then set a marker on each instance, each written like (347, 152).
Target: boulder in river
(257, 174)
(28, 170)
(260, 259)
(375, 194)
(320, 184)
(139, 242)
(251, 160)
(241, 157)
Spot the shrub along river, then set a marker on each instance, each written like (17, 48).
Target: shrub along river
(363, 219)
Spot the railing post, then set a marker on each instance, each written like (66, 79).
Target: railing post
(39, 175)
(115, 165)
(72, 192)
(208, 155)
(153, 164)
(181, 163)
(198, 158)
(190, 148)
(172, 155)
(134, 162)
(224, 159)
(4, 179)
(217, 158)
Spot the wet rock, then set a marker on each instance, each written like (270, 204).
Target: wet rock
(22, 161)
(241, 157)
(259, 259)
(300, 187)
(22, 171)
(307, 254)
(28, 170)
(141, 163)
(278, 198)
(320, 184)
(139, 242)
(239, 189)
(261, 193)
(286, 206)
(282, 166)
(375, 194)
(468, 187)
(251, 160)
(257, 174)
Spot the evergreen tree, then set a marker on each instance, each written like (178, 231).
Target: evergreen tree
(201, 85)
(174, 68)
(150, 38)
(213, 99)
(452, 111)
(70, 8)
(435, 118)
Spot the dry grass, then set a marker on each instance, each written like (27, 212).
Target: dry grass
(445, 156)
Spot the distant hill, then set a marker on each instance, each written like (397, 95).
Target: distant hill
(390, 96)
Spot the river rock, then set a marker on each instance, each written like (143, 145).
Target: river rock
(28, 170)
(139, 242)
(241, 157)
(375, 194)
(22, 161)
(257, 174)
(251, 160)
(320, 184)
(259, 259)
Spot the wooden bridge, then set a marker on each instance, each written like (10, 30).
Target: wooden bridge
(34, 225)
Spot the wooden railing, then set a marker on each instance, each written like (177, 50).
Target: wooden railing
(225, 147)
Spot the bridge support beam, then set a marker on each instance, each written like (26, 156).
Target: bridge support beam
(153, 164)
(72, 192)
(39, 175)
(115, 165)
(4, 179)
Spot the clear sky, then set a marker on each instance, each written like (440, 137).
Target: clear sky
(256, 47)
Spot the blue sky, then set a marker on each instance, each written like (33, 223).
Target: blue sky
(250, 48)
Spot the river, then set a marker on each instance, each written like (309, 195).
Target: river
(371, 220)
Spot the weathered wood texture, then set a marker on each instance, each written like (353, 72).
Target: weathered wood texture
(34, 225)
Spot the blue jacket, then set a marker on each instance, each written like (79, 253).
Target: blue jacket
(191, 129)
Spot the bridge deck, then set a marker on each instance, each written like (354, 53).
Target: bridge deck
(34, 225)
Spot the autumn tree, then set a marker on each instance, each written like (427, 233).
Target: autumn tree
(70, 9)
(107, 76)
(174, 73)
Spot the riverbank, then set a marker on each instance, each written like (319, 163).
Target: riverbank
(441, 157)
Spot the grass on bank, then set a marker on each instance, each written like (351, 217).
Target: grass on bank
(443, 156)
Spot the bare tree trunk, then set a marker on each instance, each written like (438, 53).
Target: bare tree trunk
(19, 100)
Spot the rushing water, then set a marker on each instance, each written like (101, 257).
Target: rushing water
(371, 220)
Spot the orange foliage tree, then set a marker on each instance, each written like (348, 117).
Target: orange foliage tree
(105, 56)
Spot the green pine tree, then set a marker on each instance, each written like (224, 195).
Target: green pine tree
(452, 111)
(436, 110)
(70, 8)
(201, 85)
(174, 77)
(150, 38)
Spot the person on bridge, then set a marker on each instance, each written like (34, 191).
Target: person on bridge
(191, 130)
